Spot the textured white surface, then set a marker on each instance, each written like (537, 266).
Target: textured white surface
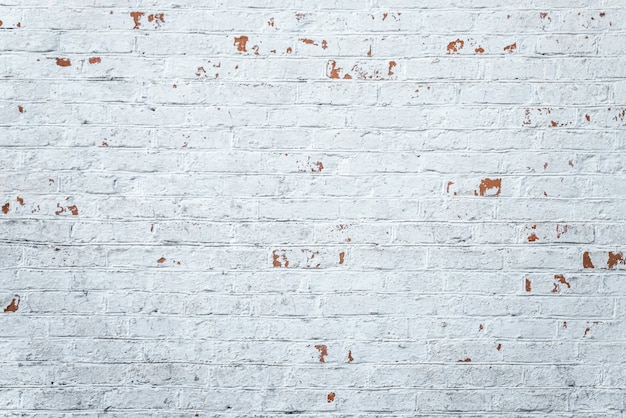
(358, 208)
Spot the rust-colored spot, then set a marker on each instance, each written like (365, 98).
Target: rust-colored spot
(157, 17)
(0, 22)
(602, 14)
(20, 201)
(161, 260)
(63, 62)
(341, 257)
(240, 42)
(95, 60)
(136, 17)
(385, 15)
(324, 44)
(586, 331)
(310, 256)
(564, 324)
(289, 50)
(392, 64)
(73, 209)
(20, 109)
(317, 167)
(587, 261)
(14, 305)
(19, 24)
(614, 258)
(588, 118)
(511, 48)
(5, 208)
(534, 226)
(277, 259)
(332, 71)
(480, 327)
(455, 46)
(270, 22)
(323, 352)
(467, 360)
(487, 184)
(450, 183)
(300, 16)
(369, 53)
(479, 50)
(561, 230)
(105, 144)
(532, 237)
(308, 41)
(528, 285)
(554, 123)
(331, 397)
(545, 166)
(499, 347)
(562, 280)
(60, 211)
(350, 358)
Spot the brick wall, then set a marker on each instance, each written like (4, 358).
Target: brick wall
(359, 208)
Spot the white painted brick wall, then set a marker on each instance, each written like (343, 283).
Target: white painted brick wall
(348, 208)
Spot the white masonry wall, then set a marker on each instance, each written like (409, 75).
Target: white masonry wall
(352, 208)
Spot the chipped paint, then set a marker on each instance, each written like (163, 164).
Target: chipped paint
(14, 305)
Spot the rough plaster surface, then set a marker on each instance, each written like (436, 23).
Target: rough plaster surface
(347, 208)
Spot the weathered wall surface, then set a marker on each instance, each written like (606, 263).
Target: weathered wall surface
(359, 208)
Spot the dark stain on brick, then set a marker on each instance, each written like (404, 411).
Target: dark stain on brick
(73, 209)
(20, 201)
(6, 207)
(350, 358)
(392, 64)
(467, 360)
(528, 285)
(161, 260)
(532, 237)
(95, 60)
(341, 257)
